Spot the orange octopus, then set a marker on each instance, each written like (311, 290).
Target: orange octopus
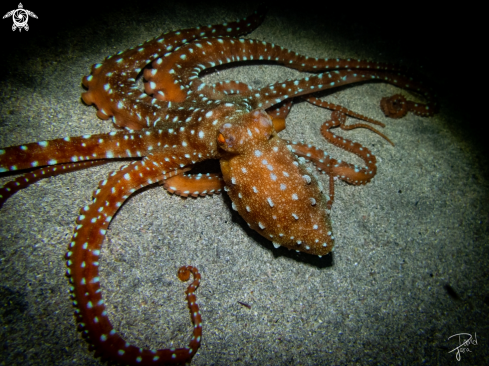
(178, 121)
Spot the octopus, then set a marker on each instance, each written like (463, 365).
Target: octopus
(174, 121)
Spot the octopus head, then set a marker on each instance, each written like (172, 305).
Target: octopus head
(270, 188)
(253, 128)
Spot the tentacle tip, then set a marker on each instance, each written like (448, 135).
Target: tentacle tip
(183, 273)
(102, 115)
(394, 106)
(87, 96)
(85, 81)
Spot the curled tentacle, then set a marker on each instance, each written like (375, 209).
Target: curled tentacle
(338, 119)
(395, 106)
(350, 173)
(345, 171)
(112, 83)
(82, 261)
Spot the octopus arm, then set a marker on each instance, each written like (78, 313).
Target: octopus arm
(75, 153)
(112, 83)
(278, 113)
(233, 87)
(397, 106)
(194, 185)
(27, 179)
(83, 261)
(338, 119)
(81, 148)
(343, 110)
(194, 57)
(281, 91)
(347, 172)
(169, 75)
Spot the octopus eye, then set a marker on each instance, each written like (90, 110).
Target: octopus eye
(227, 142)
(221, 139)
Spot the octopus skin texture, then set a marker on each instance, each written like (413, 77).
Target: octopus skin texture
(178, 121)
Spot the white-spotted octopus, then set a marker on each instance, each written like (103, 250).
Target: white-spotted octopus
(178, 121)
